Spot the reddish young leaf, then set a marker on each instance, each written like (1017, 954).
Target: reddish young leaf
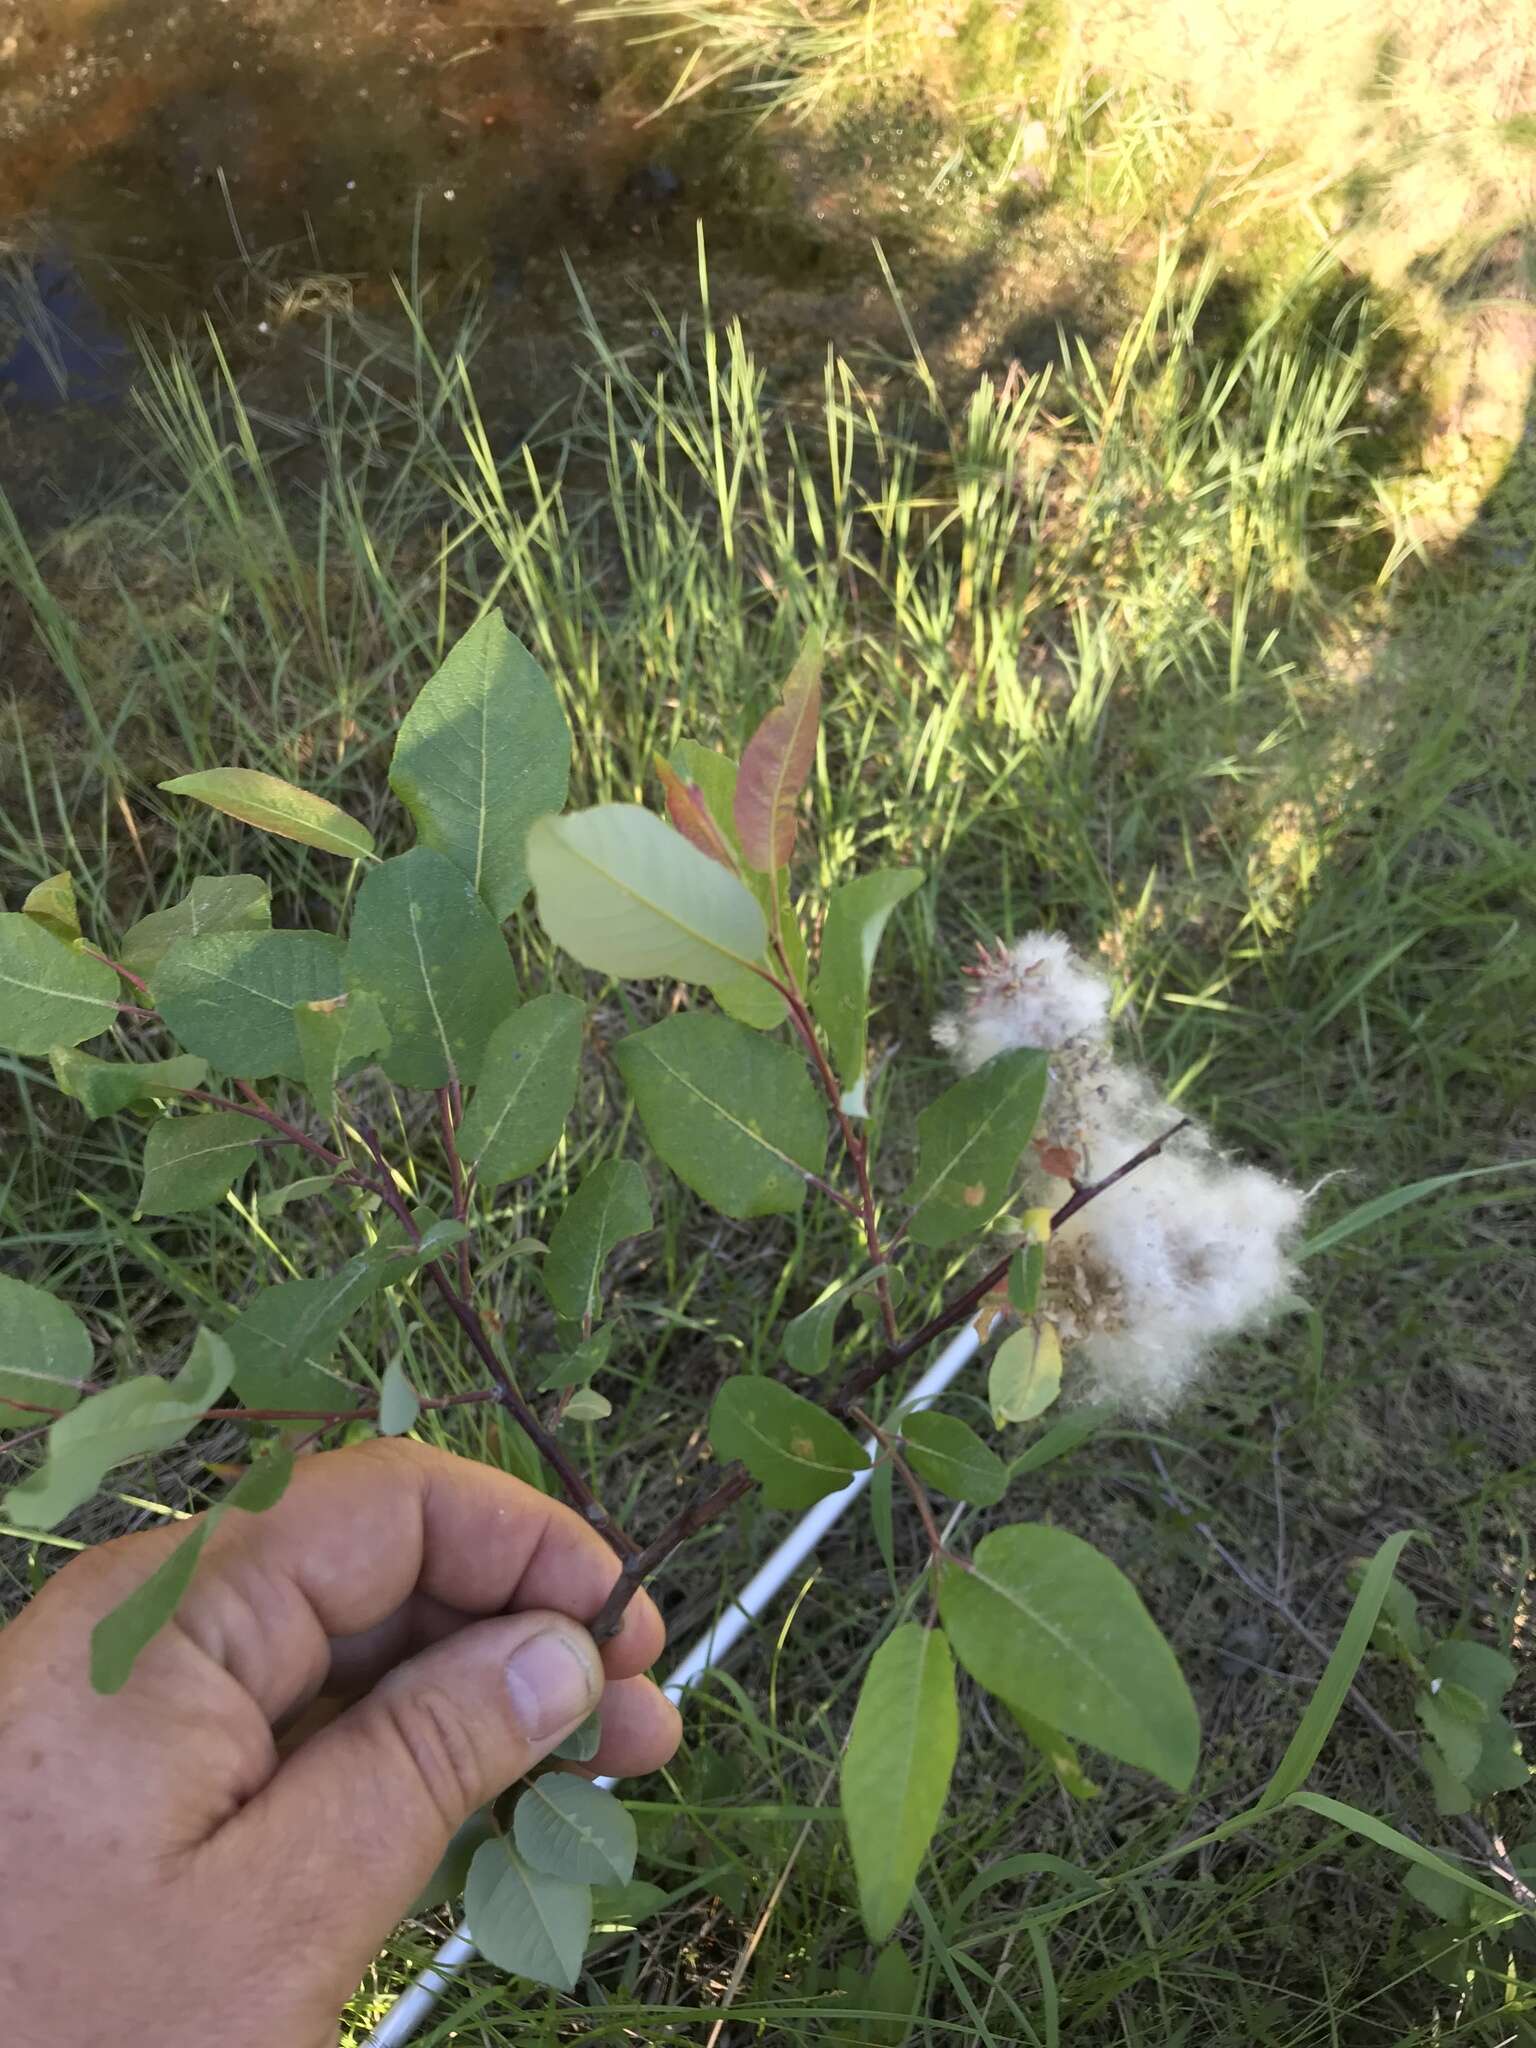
(691, 815)
(776, 764)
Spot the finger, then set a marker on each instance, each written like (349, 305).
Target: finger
(357, 1819)
(641, 1729)
(359, 1533)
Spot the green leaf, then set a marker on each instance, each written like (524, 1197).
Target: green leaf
(1306, 1745)
(1451, 1794)
(896, 1768)
(969, 1143)
(571, 1828)
(733, 1114)
(1026, 1275)
(1051, 1626)
(285, 1334)
(334, 1035)
(794, 1449)
(214, 903)
(882, 1488)
(49, 994)
(574, 1368)
(856, 919)
(808, 1336)
(1453, 1719)
(103, 1087)
(43, 1347)
(448, 1880)
(623, 1906)
(399, 1403)
(1500, 1767)
(1477, 1667)
(119, 1636)
(942, 1450)
(524, 1920)
(275, 1200)
(526, 1089)
(583, 1743)
(230, 996)
(52, 905)
(625, 894)
(126, 1421)
(588, 1405)
(192, 1161)
(1380, 1207)
(1060, 1754)
(1024, 1377)
(776, 764)
(891, 1990)
(610, 1205)
(275, 806)
(482, 752)
(427, 948)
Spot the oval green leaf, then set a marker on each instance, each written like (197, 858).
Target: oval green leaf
(130, 1420)
(795, 1450)
(191, 1162)
(103, 1087)
(1024, 1377)
(526, 1088)
(610, 1205)
(896, 1768)
(524, 1920)
(52, 905)
(275, 806)
(430, 953)
(856, 919)
(571, 1828)
(214, 903)
(482, 752)
(969, 1143)
(952, 1457)
(623, 893)
(1052, 1627)
(230, 996)
(732, 1113)
(44, 1349)
(50, 994)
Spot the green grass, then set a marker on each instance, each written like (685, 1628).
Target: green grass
(1114, 651)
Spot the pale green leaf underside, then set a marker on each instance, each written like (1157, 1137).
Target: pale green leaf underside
(571, 1828)
(625, 894)
(214, 903)
(104, 1087)
(525, 1921)
(950, 1456)
(856, 919)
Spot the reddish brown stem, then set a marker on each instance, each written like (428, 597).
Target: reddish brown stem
(117, 967)
(892, 1447)
(450, 1107)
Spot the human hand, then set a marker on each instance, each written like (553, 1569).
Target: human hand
(170, 1875)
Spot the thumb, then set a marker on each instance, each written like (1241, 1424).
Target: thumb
(355, 1821)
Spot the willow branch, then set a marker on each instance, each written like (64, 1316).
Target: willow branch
(707, 1507)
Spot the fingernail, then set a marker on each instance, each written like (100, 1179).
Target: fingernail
(552, 1684)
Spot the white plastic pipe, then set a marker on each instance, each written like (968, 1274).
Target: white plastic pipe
(411, 2008)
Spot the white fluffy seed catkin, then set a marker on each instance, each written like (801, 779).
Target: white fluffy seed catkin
(1184, 1252)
